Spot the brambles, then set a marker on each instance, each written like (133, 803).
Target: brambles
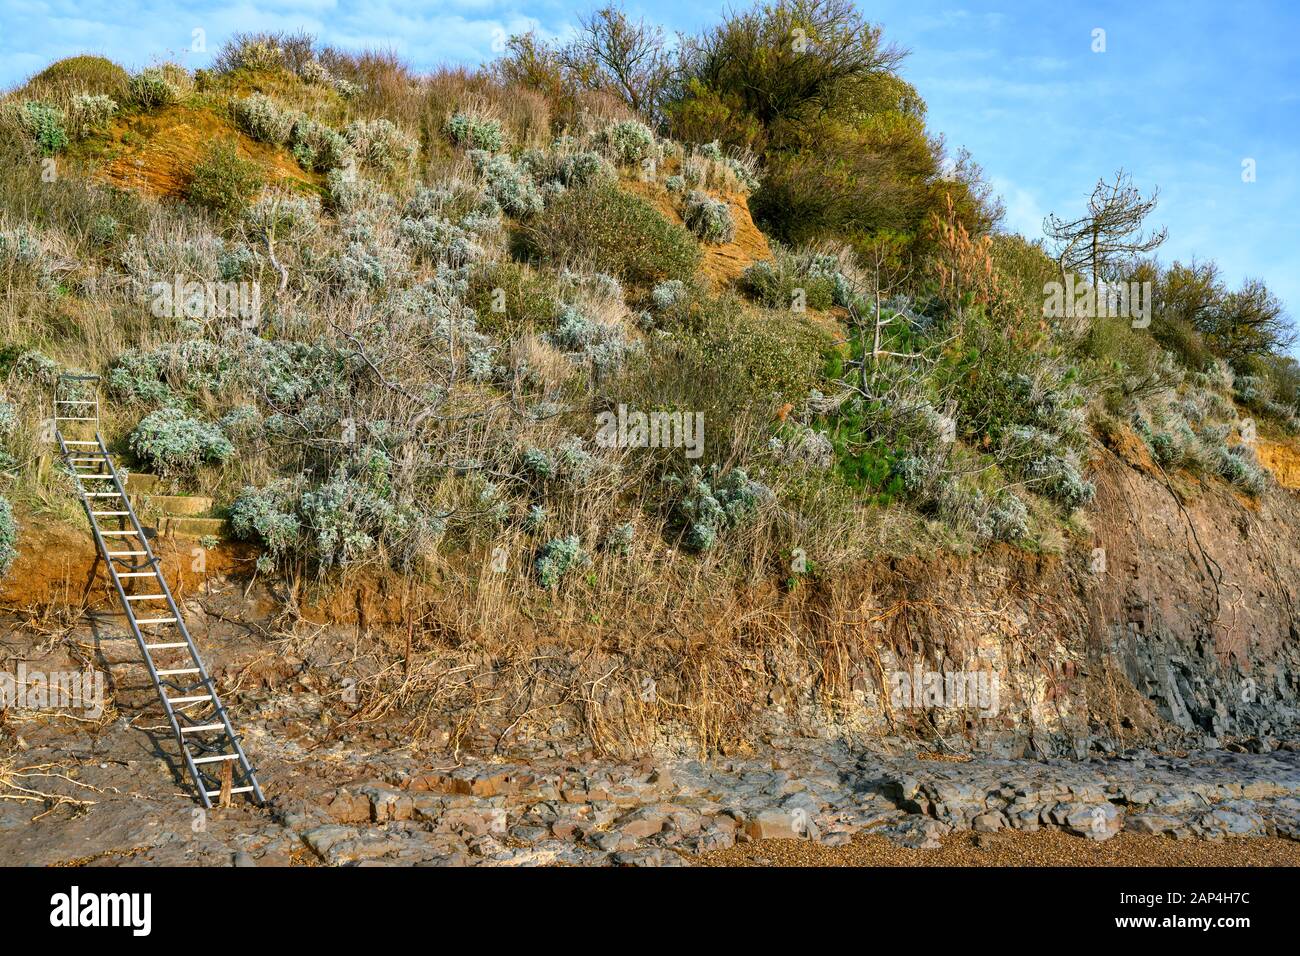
(475, 132)
(150, 89)
(223, 182)
(628, 238)
(172, 443)
(709, 218)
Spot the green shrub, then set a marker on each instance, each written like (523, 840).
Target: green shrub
(268, 516)
(621, 234)
(172, 443)
(262, 118)
(379, 143)
(8, 537)
(475, 132)
(710, 219)
(223, 182)
(710, 503)
(150, 89)
(526, 298)
(627, 141)
(90, 114)
(774, 353)
(45, 125)
(511, 187)
(557, 558)
(319, 148)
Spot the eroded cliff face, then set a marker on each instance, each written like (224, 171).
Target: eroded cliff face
(1174, 620)
(1179, 624)
(1198, 608)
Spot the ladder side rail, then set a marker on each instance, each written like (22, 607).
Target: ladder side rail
(204, 677)
(140, 640)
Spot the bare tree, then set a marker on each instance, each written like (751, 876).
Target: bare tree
(1111, 232)
(629, 58)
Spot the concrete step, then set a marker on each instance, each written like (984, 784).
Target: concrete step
(145, 484)
(186, 506)
(181, 527)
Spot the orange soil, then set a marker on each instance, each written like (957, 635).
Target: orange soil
(56, 565)
(156, 151)
(1283, 460)
(723, 263)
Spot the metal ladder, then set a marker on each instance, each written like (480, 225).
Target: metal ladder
(198, 719)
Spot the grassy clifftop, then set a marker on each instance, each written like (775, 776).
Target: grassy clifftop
(466, 325)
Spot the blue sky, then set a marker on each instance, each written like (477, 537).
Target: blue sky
(1183, 93)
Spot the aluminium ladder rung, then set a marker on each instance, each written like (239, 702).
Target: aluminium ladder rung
(125, 554)
(179, 670)
(102, 494)
(83, 476)
(188, 700)
(165, 647)
(218, 758)
(147, 597)
(67, 442)
(109, 514)
(217, 793)
(202, 728)
(136, 574)
(119, 533)
(155, 620)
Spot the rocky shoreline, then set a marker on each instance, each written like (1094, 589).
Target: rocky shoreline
(341, 807)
